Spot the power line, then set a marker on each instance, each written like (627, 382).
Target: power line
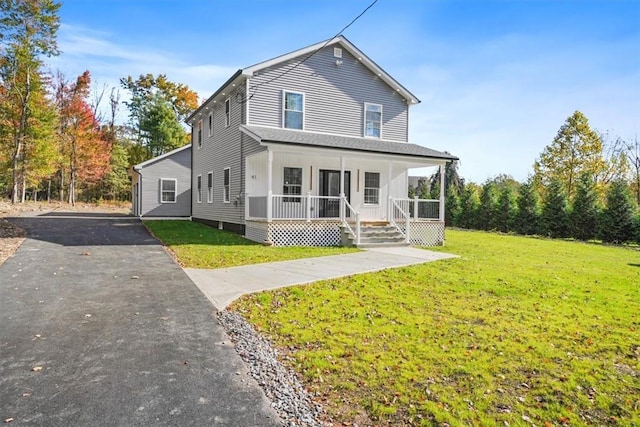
(255, 88)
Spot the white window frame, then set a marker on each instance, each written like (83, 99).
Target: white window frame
(175, 190)
(199, 188)
(291, 197)
(227, 112)
(226, 188)
(210, 187)
(199, 135)
(364, 193)
(211, 124)
(364, 130)
(284, 109)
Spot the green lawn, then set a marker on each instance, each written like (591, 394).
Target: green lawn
(519, 330)
(199, 246)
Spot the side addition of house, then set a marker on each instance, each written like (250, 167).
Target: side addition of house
(311, 148)
(161, 186)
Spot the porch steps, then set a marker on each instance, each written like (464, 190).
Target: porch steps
(375, 235)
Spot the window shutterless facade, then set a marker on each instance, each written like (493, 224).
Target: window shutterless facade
(168, 190)
(372, 120)
(211, 124)
(293, 110)
(292, 184)
(371, 188)
(227, 112)
(210, 187)
(227, 185)
(199, 133)
(199, 193)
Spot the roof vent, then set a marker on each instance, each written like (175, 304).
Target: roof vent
(337, 52)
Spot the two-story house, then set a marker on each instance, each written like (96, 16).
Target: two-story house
(311, 148)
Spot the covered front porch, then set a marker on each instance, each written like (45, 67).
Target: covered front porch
(309, 196)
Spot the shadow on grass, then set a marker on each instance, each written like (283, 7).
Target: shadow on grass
(634, 264)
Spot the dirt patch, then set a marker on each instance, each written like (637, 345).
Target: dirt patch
(12, 236)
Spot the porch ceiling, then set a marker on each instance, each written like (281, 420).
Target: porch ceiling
(266, 135)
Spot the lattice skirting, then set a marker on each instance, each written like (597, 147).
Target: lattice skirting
(294, 233)
(426, 233)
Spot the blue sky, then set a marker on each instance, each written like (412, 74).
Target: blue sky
(496, 78)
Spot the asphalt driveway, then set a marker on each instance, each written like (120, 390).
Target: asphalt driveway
(98, 326)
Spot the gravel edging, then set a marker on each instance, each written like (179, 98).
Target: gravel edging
(288, 396)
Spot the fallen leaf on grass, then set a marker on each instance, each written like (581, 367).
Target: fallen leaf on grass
(8, 420)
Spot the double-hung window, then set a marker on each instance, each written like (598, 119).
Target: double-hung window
(227, 112)
(199, 133)
(168, 188)
(371, 188)
(199, 193)
(292, 184)
(211, 123)
(227, 185)
(293, 106)
(210, 187)
(372, 120)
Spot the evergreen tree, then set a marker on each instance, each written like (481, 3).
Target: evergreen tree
(617, 222)
(555, 219)
(527, 220)
(452, 207)
(487, 215)
(585, 211)
(507, 210)
(469, 204)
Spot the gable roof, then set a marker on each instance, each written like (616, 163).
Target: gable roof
(243, 73)
(160, 157)
(352, 49)
(320, 140)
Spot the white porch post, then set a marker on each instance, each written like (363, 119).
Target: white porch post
(389, 204)
(442, 189)
(308, 207)
(342, 197)
(269, 185)
(246, 206)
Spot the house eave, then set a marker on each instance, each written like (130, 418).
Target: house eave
(146, 163)
(235, 78)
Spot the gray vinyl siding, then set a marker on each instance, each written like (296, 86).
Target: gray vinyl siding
(225, 149)
(176, 166)
(334, 96)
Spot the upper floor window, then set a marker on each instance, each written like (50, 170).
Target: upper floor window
(293, 115)
(168, 189)
(199, 133)
(372, 120)
(227, 112)
(292, 184)
(211, 123)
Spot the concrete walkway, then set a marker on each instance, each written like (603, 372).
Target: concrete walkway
(225, 285)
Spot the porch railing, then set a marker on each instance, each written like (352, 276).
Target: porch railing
(420, 208)
(397, 216)
(293, 207)
(350, 213)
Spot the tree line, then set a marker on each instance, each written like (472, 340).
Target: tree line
(585, 186)
(58, 141)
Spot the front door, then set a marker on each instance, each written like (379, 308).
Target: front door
(330, 186)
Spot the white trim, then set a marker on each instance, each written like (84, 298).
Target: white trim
(160, 157)
(346, 44)
(175, 190)
(199, 133)
(199, 190)
(364, 120)
(227, 116)
(247, 100)
(226, 193)
(297, 196)
(284, 94)
(210, 188)
(211, 124)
